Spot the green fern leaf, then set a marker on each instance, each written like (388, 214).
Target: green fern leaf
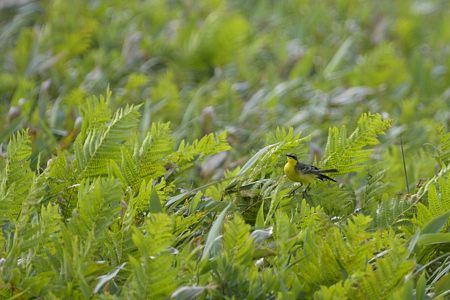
(31, 244)
(153, 274)
(236, 242)
(128, 171)
(16, 179)
(373, 189)
(443, 150)
(104, 143)
(385, 275)
(157, 144)
(95, 113)
(426, 186)
(157, 235)
(390, 212)
(149, 159)
(348, 154)
(57, 175)
(98, 206)
(438, 201)
(208, 145)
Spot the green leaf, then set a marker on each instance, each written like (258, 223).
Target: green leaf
(436, 224)
(155, 204)
(259, 223)
(338, 57)
(255, 158)
(178, 198)
(187, 292)
(195, 202)
(442, 286)
(433, 238)
(214, 234)
(104, 279)
(413, 241)
(406, 292)
(421, 287)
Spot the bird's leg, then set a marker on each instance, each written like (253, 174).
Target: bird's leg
(305, 191)
(291, 193)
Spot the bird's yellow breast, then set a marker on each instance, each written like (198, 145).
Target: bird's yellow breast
(293, 174)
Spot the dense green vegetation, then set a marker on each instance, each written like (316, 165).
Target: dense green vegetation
(143, 144)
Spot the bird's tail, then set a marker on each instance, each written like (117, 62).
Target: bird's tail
(322, 177)
(329, 171)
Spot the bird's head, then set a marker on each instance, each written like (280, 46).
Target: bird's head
(291, 156)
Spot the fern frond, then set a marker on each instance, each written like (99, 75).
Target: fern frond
(59, 183)
(355, 235)
(208, 145)
(41, 232)
(16, 178)
(74, 265)
(149, 159)
(156, 235)
(234, 271)
(379, 66)
(438, 201)
(128, 171)
(443, 150)
(236, 242)
(319, 263)
(390, 212)
(104, 143)
(56, 173)
(152, 277)
(371, 192)
(98, 207)
(30, 246)
(141, 202)
(376, 281)
(95, 113)
(340, 290)
(348, 154)
(425, 187)
(385, 275)
(286, 233)
(157, 144)
(153, 274)
(215, 43)
(352, 258)
(335, 200)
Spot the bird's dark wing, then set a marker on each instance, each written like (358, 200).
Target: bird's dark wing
(307, 169)
(310, 169)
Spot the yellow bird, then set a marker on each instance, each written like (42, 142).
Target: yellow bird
(303, 173)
